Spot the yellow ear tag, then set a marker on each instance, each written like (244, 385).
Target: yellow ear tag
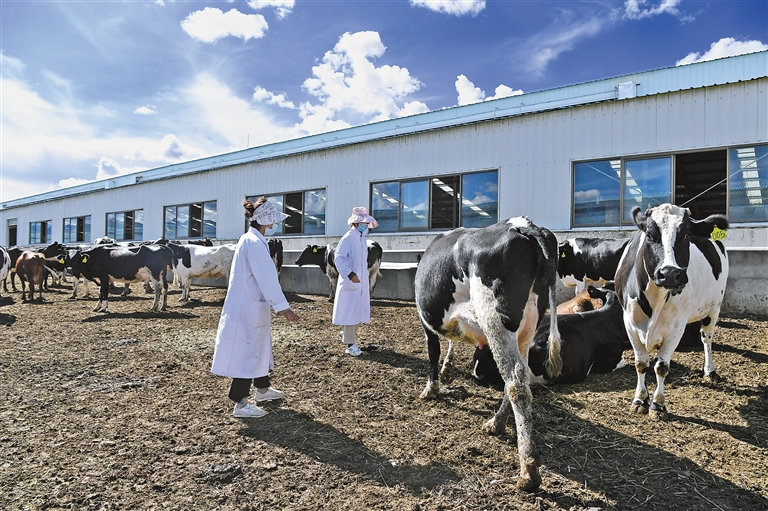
(562, 256)
(85, 259)
(61, 260)
(314, 250)
(718, 234)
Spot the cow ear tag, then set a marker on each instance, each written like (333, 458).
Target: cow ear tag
(85, 259)
(61, 260)
(314, 250)
(718, 234)
(562, 256)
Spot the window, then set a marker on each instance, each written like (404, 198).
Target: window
(700, 182)
(441, 202)
(731, 181)
(77, 229)
(12, 231)
(187, 221)
(39, 232)
(748, 184)
(646, 183)
(306, 211)
(126, 225)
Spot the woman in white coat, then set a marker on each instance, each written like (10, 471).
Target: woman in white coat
(352, 304)
(243, 349)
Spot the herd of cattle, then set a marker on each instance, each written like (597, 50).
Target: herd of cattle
(492, 287)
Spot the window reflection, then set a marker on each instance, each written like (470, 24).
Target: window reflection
(647, 183)
(386, 201)
(413, 208)
(314, 212)
(210, 215)
(306, 211)
(480, 199)
(748, 184)
(597, 192)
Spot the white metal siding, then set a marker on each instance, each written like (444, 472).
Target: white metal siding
(533, 154)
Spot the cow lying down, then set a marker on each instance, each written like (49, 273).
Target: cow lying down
(592, 342)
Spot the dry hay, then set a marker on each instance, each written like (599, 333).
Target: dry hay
(120, 411)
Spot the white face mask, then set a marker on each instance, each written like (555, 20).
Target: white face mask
(270, 231)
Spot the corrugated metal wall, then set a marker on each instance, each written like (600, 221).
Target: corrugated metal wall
(533, 154)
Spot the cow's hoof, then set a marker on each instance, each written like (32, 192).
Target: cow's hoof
(430, 391)
(493, 426)
(658, 412)
(446, 375)
(713, 377)
(530, 478)
(639, 407)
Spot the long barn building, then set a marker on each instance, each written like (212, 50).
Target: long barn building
(574, 159)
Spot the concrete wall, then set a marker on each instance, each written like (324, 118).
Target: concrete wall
(747, 289)
(746, 292)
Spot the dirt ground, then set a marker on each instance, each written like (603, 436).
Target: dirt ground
(120, 411)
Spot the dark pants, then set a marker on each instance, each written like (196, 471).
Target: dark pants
(241, 387)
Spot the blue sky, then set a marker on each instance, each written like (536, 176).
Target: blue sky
(93, 89)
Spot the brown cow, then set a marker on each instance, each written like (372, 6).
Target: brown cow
(30, 267)
(586, 300)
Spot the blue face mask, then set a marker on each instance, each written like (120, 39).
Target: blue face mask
(270, 231)
(362, 228)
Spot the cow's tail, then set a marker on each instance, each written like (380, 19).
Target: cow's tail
(554, 362)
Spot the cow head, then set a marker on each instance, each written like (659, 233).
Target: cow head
(566, 259)
(667, 248)
(312, 254)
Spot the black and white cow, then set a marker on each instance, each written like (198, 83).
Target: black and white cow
(105, 264)
(324, 257)
(592, 343)
(492, 286)
(195, 261)
(13, 254)
(583, 261)
(276, 253)
(671, 274)
(5, 264)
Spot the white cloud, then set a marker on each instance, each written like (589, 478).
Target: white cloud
(350, 86)
(469, 94)
(637, 9)
(161, 3)
(725, 47)
(211, 24)
(51, 142)
(454, 7)
(502, 91)
(107, 168)
(282, 7)
(146, 110)
(231, 122)
(264, 96)
(558, 38)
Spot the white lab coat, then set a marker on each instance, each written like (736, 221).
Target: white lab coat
(352, 304)
(244, 338)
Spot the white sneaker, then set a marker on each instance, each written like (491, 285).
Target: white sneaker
(269, 395)
(248, 411)
(353, 350)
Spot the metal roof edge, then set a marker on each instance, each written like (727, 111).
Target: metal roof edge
(701, 74)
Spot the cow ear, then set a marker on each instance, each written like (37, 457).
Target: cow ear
(704, 228)
(640, 218)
